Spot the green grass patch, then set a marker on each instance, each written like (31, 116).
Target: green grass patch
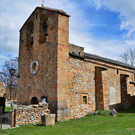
(7, 109)
(123, 124)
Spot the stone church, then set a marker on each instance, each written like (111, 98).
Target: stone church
(74, 83)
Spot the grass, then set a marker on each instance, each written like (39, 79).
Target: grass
(123, 124)
(7, 109)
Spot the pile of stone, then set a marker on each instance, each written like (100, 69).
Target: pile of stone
(22, 114)
(25, 107)
(94, 113)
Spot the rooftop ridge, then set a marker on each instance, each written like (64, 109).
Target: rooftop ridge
(97, 57)
(54, 9)
(47, 8)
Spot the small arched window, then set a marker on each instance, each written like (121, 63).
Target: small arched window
(34, 100)
(30, 34)
(43, 28)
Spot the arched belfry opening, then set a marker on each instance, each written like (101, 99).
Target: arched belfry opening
(30, 34)
(43, 29)
(34, 100)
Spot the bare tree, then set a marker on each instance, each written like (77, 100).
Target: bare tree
(10, 82)
(128, 57)
(4, 74)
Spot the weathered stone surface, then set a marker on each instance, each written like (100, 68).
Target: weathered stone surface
(96, 78)
(75, 83)
(27, 114)
(48, 119)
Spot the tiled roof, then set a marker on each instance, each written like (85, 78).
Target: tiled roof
(114, 62)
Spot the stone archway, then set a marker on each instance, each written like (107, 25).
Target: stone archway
(34, 100)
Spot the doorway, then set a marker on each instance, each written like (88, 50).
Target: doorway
(34, 100)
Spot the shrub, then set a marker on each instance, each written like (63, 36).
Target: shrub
(104, 112)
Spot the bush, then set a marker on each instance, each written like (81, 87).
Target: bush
(2, 103)
(104, 112)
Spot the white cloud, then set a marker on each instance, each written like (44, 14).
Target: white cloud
(106, 48)
(8, 37)
(97, 3)
(130, 32)
(13, 15)
(126, 9)
(4, 58)
(124, 25)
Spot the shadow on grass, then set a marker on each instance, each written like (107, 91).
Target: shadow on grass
(129, 110)
(40, 124)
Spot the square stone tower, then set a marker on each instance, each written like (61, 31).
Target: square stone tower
(43, 55)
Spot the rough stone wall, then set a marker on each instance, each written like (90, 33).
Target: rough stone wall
(74, 49)
(52, 55)
(80, 81)
(27, 115)
(102, 83)
(74, 86)
(45, 81)
(111, 83)
(99, 88)
(62, 68)
(127, 92)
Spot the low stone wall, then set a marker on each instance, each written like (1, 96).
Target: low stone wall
(22, 115)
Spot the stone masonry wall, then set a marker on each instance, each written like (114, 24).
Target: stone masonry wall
(52, 55)
(73, 84)
(22, 115)
(80, 81)
(102, 84)
(44, 82)
(74, 49)
(62, 68)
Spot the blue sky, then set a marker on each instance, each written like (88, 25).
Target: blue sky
(102, 27)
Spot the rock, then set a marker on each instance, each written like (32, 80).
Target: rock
(47, 110)
(40, 105)
(28, 107)
(35, 106)
(16, 125)
(15, 106)
(95, 113)
(20, 108)
(113, 112)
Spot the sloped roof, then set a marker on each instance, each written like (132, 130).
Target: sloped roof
(107, 60)
(47, 8)
(102, 59)
(55, 10)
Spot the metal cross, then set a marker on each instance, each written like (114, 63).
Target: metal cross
(42, 1)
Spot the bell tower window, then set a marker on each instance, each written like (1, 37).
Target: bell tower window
(30, 34)
(43, 28)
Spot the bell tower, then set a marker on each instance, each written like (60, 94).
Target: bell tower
(43, 55)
